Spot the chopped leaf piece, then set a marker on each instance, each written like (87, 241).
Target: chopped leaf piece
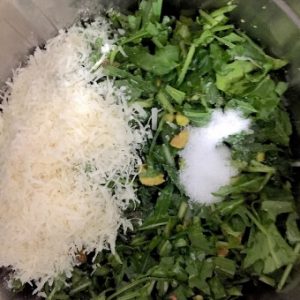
(162, 62)
(267, 246)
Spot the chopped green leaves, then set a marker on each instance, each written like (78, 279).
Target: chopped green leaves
(232, 78)
(245, 184)
(176, 95)
(189, 67)
(267, 251)
(292, 228)
(162, 62)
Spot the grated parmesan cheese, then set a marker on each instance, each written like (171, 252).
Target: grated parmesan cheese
(207, 162)
(62, 140)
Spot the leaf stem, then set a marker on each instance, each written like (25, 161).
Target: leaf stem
(138, 35)
(132, 295)
(158, 130)
(162, 98)
(186, 65)
(152, 226)
(287, 270)
(169, 158)
(80, 288)
(263, 230)
(131, 285)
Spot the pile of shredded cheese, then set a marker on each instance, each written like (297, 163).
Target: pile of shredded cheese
(63, 139)
(206, 161)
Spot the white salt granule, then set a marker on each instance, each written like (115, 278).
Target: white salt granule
(207, 162)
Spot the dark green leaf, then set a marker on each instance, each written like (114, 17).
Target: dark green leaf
(225, 266)
(177, 95)
(244, 184)
(269, 248)
(199, 272)
(217, 288)
(162, 62)
(292, 229)
(243, 106)
(274, 208)
(197, 238)
(229, 78)
(150, 11)
(197, 117)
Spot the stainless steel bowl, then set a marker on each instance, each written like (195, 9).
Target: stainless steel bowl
(275, 24)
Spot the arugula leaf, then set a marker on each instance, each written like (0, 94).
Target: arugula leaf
(163, 202)
(196, 117)
(267, 247)
(251, 50)
(279, 123)
(264, 98)
(292, 229)
(275, 208)
(244, 184)
(225, 266)
(192, 66)
(177, 95)
(150, 11)
(217, 288)
(160, 213)
(197, 238)
(164, 60)
(136, 81)
(218, 56)
(242, 105)
(199, 273)
(210, 95)
(228, 207)
(229, 79)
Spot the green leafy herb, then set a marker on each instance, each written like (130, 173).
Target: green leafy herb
(191, 66)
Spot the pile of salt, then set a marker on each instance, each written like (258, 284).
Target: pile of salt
(207, 161)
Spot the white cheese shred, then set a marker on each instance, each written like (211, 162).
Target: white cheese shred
(63, 139)
(154, 118)
(206, 161)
